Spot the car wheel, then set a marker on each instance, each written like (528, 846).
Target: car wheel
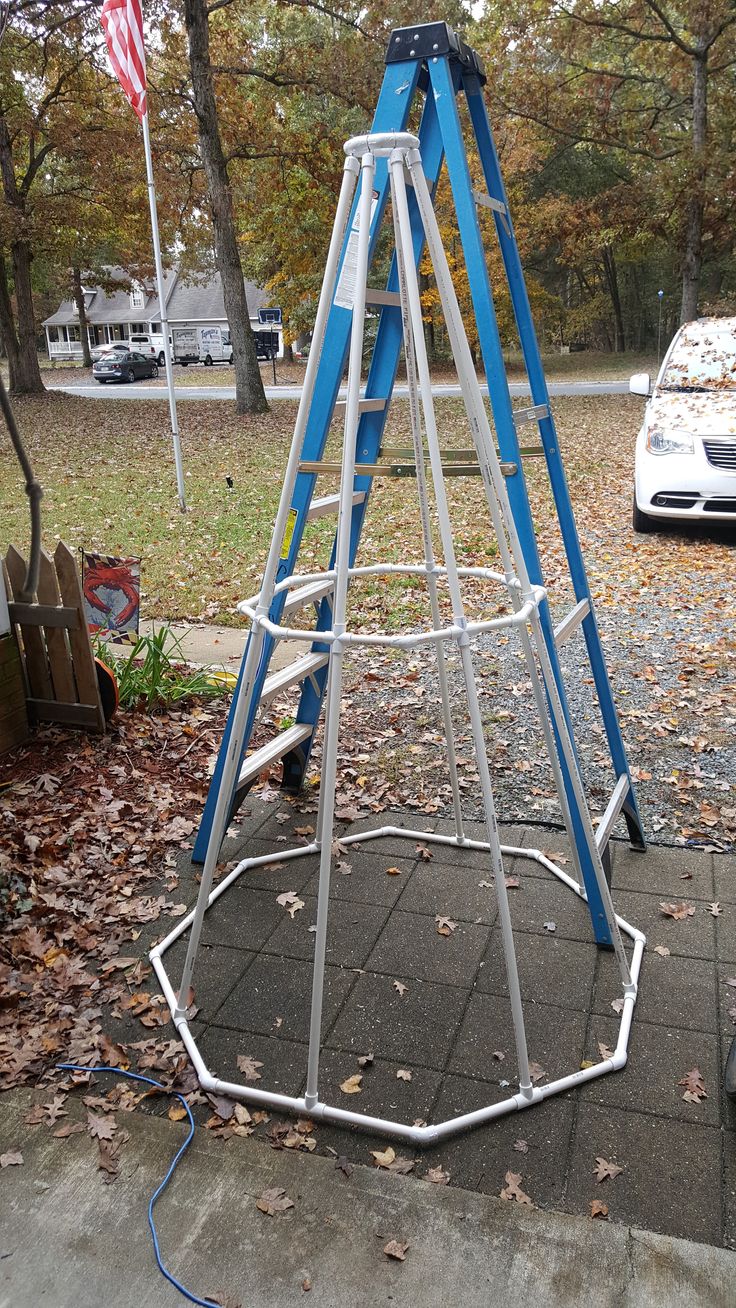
(641, 521)
(161, 361)
(101, 381)
(130, 375)
(230, 360)
(208, 361)
(154, 371)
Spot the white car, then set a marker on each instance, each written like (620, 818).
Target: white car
(685, 465)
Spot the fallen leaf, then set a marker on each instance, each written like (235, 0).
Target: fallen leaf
(424, 853)
(403, 1075)
(437, 1176)
(662, 950)
(694, 1086)
(291, 902)
(249, 1067)
(306, 1284)
(605, 1171)
(513, 1190)
(521, 1146)
(604, 1051)
(617, 1005)
(383, 1158)
(393, 871)
(550, 926)
(69, 1128)
(399, 985)
(511, 883)
(536, 1072)
(177, 1113)
(101, 1128)
(396, 1249)
(342, 1165)
(678, 911)
(365, 1060)
(715, 910)
(352, 1085)
(445, 925)
(273, 1201)
(13, 1158)
(598, 1209)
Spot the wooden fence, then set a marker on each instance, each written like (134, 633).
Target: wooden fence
(59, 665)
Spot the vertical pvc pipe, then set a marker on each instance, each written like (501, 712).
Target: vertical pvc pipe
(231, 768)
(429, 559)
(334, 682)
(512, 973)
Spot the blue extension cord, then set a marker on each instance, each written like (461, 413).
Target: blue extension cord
(148, 1080)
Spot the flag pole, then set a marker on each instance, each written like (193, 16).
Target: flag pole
(163, 315)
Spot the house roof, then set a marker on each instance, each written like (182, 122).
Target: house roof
(185, 301)
(114, 306)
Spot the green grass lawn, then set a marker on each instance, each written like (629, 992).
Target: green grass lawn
(108, 478)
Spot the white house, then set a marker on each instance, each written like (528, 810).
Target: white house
(113, 315)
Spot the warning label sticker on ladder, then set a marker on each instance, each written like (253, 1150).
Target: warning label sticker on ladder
(288, 533)
(345, 293)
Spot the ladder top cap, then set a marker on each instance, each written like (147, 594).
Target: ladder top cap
(380, 143)
(430, 40)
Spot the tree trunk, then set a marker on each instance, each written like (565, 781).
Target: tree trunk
(693, 254)
(24, 372)
(611, 275)
(249, 394)
(82, 312)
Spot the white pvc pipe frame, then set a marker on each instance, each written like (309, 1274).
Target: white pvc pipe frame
(421, 1136)
(525, 599)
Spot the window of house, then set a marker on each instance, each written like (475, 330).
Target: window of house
(137, 327)
(155, 326)
(137, 298)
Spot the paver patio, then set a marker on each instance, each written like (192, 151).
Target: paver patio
(253, 982)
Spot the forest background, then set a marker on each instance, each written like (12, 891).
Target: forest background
(614, 121)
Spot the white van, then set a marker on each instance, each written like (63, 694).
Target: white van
(150, 344)
(215, 346)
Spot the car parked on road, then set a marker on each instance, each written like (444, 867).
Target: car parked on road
(685, 462)
(126, 365)
(110, 347)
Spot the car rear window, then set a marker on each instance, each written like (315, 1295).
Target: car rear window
(703, 359)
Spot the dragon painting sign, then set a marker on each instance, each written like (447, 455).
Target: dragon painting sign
(112, 596)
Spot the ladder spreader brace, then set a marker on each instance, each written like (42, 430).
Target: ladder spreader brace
(430, 59)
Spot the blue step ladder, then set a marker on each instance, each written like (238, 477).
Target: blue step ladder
(431, 62)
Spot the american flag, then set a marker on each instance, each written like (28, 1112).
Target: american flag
(122, 23)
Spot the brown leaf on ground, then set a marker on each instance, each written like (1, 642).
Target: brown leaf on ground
(715, 910)
(679, 911)
(365, 1060)
(343, 1165)
(598, 1209)
(513, 1191)
(617, 1005)
(100, 1128)
(291, 902)
(403, 1075)
(445, 925)
(249, 1067)
(536, 1072)
(69, 1128)
(605, 1171)
(424, 853)
(274, 1201)
(662, 950)
(352, 1086)
(383, 1158)
(13, 1158)
(393, 871)
(511, 883)
(177, 1112)
(604, 1051)
(521, 1146)
(437, 1176)
(694, 1086)
(396, 1249)
(400, 987)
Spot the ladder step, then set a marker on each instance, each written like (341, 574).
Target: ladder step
(291, 675)
(312, 593)
(532, 414)
(330, 504)
(489, 201)
(571, 622)
(374, 405)
(615, 804)
(255, 763)
(374, 296)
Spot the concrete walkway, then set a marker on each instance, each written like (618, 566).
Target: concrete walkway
(69, 1241)
(157, 391)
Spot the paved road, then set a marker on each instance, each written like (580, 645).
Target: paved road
(155, 391)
